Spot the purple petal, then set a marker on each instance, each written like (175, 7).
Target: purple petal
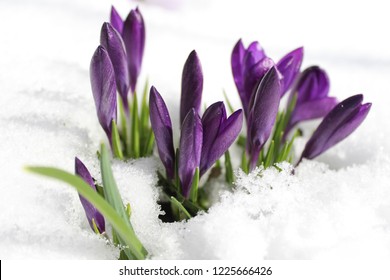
(190, 149)
(116, 20)
(237, 66)
(191, 85)
(263, 113)
(103, 88)
(349, 125)
(90, 211)
(313, 83)
(341, 121)
(133, 35)
(312, 110)
(253, 76)
(212, 120)
(227, 134)
(289, 67)
(256, 53)
(162, 128)
(111, 40)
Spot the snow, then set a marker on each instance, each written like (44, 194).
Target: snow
(337, 207)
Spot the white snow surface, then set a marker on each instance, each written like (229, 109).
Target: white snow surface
(337, 206)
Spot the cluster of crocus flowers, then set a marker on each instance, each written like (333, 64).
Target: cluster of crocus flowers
(115, 67)
(203, 140)
(261, 84)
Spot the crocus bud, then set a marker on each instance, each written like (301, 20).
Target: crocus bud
(339, 123)
(289, 67)
(112, 41)
(191, 85)
(313, 102)
(103, 85)
(162, 128)
(190, 147)
(263, 114)
(116, 20)
(133, 35)
(90, 211)
(219, 133)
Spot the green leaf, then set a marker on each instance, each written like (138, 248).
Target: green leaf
(181, 207)
(290, 109)
(128, 210)
(270, 155)
(116, 142)
(148, 148)
(112, 195)
(229, 176)
(135, 135)
(177, 179)
(124, 231)
(231, 109)
(194, 186)
(95, 228)
(124, 128)
(244, 163)
(241, 141)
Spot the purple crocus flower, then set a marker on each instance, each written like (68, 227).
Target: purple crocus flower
(191, 85)
(190, 147)
(311, 88)
(112, 41)
(262, 114)
(103, 85)
(162, 128)
(340, 122)
(249, 66)
(116, 20)
(133, 35)
(219, 133)
(91, 212)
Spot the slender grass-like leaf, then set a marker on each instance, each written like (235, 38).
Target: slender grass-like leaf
(244, 163)
(109, 213)
(116, 142)
(124, 128)
(194, 187)
(229, 176)
(135, 133)
(181, 207)
(231, 109)
(270, 155)
(148, 147)
(113, 197)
